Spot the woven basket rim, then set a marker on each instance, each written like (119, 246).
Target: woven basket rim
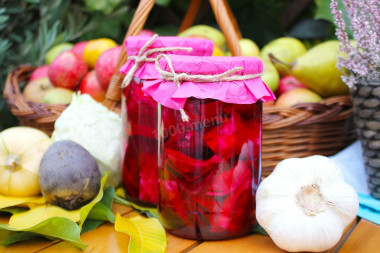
(274, 117)
(29, 113)
(301, 130)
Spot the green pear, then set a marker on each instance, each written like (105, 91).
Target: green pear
(205, 32)
(249, 47)
(286, 50)
(317, 70)
(270, 76)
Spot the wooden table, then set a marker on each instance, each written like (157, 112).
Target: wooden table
(360, 236)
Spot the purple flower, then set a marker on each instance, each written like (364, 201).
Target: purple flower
(362, 55)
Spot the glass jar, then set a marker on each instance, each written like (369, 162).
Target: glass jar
(210, 165)
(139, 114)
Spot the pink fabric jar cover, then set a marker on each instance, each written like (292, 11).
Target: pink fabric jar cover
(147, 70)
(248, 91)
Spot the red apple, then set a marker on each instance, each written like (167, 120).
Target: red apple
(147, 33)
(67, 70)
(78, 48)
(90, 85)
(41, 71)
(106, 64)
(297, 96)
(288, 83)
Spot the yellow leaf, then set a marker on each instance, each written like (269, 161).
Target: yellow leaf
(120, 191)
(87, 208)
(17, 201)
(147, 235)
(41, 213)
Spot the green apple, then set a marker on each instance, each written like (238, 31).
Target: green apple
(270, 76)
(58, 95)
(56, 50)
(249, 48)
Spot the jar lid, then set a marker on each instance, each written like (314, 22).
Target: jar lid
(200, 77)
(201, 47)
(133, 44)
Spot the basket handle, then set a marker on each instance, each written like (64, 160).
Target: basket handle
(113, 95)
(224, 18)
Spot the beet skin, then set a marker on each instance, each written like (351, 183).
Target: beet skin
(69, 175)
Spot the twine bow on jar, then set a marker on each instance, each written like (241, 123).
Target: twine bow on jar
(178, 78)
(143, 56)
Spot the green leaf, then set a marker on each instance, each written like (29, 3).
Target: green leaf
(85, 210)
(22, 221)
(146, 234)
(13, 210)
(54, 222)
(163, 2)
(107, 199)
(105, 6)
(102, 209)
(324, 12)
(18, 237)
(56, 227)
(148, 211)
(90, 224)
(3, 18)
(101, 212)
(259, 230)
(33, 1)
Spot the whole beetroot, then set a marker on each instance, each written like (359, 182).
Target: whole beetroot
(69, 175)
(67, 70)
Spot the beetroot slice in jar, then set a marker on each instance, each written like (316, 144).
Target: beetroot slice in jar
(224, 140)
(138, 177)
(189, 168)
(174, 209)
(143, 131)
(148, 191)
(236, 210)
(223, 182)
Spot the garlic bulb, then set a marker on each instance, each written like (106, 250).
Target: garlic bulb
(304, 205)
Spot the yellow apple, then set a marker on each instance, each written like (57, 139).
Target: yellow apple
(35, 90)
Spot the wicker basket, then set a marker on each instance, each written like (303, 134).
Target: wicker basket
(38, 115)
(306, 129)
(320, 128)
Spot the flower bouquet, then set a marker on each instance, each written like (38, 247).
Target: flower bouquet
(361, 65)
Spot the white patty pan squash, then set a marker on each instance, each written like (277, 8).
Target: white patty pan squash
(304, 205)
(21, 150)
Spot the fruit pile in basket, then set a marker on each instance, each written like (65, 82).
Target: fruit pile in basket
(86, 66)
(296, 74)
